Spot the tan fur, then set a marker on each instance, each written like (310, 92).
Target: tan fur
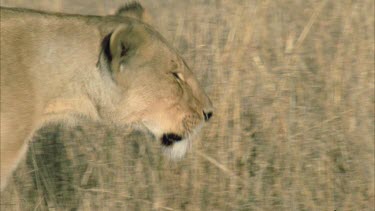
(54, 68)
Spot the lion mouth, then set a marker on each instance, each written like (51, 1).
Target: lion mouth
(170, 138)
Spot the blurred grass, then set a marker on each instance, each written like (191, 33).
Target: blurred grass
(293, 87)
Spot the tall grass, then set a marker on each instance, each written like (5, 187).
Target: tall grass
(293, 87)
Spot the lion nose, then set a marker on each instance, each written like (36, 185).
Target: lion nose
(207, 115)
(207, 109)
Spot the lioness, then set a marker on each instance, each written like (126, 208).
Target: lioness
(115, 69)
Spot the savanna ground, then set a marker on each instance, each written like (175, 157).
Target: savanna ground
(292, 82)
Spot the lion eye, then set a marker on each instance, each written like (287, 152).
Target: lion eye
(178, 76)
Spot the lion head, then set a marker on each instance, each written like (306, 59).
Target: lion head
(158, 90)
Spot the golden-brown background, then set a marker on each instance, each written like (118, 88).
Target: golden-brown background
(292, 82)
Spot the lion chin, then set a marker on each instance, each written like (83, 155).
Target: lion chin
(175, 146)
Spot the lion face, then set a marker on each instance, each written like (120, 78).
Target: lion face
(157, 88)
(166, 98)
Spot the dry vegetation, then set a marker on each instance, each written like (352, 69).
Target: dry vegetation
(293, 86)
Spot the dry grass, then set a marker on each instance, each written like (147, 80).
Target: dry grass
(293, 86)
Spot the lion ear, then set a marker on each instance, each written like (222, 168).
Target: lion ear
(119, 45)
(133, 10)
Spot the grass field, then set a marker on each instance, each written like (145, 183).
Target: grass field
(292, 82)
